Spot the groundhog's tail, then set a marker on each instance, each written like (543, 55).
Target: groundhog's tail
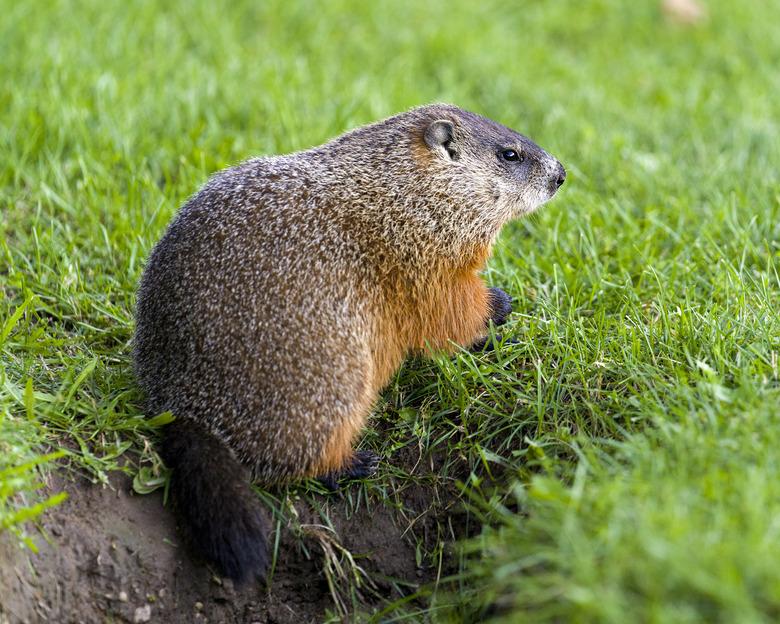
(220, 514)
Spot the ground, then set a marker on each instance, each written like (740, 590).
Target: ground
(615, 461)
(115, 556)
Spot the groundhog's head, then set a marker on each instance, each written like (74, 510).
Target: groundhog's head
(439, 177)
(487, 163)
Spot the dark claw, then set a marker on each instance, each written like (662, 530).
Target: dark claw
(500, 306)
(364, 464)
(330, 482)
(487, 344)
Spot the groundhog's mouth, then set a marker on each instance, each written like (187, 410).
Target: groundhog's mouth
(538, 199)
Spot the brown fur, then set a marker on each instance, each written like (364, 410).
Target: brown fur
(286, 293)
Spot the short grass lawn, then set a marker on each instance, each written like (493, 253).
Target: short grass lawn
(621, 460)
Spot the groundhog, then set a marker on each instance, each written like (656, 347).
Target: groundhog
(285, 294)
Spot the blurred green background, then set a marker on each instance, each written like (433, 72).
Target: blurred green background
(632, 433)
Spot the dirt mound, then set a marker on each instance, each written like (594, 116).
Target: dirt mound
(116, 556)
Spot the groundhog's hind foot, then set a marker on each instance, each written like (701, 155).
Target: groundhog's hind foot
(363, 465)
(500, 306)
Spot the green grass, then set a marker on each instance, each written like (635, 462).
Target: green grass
(622, 457)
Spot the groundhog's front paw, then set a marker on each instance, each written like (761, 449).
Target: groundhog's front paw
(500, 306)
(487, 343)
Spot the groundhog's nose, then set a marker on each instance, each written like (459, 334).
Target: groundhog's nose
(556, 179)
(561, 176)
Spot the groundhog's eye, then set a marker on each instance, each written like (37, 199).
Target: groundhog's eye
(512, 156)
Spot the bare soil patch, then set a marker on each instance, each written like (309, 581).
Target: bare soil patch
(114, 556)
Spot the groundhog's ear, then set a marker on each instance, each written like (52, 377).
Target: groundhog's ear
(439, 136)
